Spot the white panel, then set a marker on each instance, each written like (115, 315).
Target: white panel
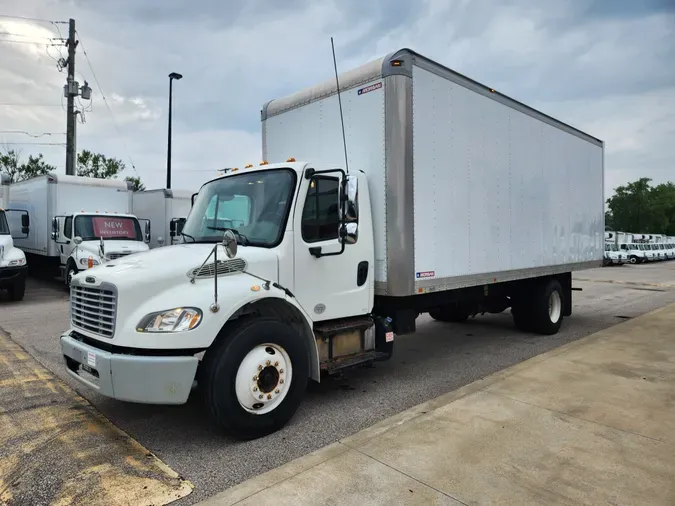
(312, 133)
(497, 190)
(74, 198)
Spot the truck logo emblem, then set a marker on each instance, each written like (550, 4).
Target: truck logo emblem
(372, 87)
(319, 308)
(90, 279)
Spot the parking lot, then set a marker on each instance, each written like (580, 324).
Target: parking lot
(437, 359)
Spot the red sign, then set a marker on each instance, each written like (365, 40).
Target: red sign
(109, 227)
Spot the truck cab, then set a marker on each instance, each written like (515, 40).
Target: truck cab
(87, 239)
(636, 252)
(613, 256)
(12, 260)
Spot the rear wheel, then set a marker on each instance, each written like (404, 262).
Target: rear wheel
(547, 308)
(254, 378)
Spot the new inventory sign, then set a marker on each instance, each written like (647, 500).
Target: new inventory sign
(110, 227)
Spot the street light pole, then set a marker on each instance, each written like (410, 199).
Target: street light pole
(172, 76)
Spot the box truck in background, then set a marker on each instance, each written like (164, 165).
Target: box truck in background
(613, 256)
(77, 223)
(162, 207)
(456, 201)
(12, 259)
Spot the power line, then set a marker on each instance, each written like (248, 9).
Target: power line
(28, 36)
(39, 20)
(33, 143)
(105, 101)
(43, 134)
(13, 104)
(9, 41)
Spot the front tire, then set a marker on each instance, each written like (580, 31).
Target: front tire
(71, 270)
(255, 376)
(17, 290)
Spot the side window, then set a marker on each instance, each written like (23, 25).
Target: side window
(320, 216)
(68, 227)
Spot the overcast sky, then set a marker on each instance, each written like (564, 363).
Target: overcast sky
(605, 66)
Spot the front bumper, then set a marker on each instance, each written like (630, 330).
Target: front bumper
(9, 276)
(133, 378)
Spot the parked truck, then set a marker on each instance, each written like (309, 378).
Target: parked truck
(287, 270)
(613, 256)
(78, 223)
(12, 259)
(163, 207)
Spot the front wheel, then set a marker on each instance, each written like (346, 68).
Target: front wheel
(71, 271)
(255, 377)
(18, 290)
(633, 259)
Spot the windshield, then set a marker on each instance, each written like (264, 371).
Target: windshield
(120, 228)
(4, 227)
(254, 204)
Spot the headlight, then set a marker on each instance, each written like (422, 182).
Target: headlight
(173, 320)
(84, 261)
(18, 261)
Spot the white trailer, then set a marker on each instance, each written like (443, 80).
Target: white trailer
(12, 260)
(77, 222)
(162, 207)
(293, 268)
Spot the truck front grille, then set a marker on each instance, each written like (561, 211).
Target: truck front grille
(113, 256)
(94, 309)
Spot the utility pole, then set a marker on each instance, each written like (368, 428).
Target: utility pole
(72, 91)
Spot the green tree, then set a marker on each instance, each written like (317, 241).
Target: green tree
(10, 164)
(638, 207)
(97, 165)
(136, 182)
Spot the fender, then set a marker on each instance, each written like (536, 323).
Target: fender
(279, 304)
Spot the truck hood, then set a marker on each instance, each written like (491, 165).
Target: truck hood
(6, 242)
(114, 247)
(164, 267)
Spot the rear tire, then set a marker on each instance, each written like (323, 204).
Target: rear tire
(547, 308)
(255, 357)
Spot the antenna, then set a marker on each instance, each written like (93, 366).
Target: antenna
(342, 119)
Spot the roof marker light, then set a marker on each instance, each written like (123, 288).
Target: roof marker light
(290, 160)
(264, 162)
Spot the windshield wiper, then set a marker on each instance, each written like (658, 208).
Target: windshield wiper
(188, 235)
(242, 238)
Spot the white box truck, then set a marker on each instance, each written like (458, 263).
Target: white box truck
(163, 207)
(12, 260)
(289, 269)
(77, 222)
(613, 256)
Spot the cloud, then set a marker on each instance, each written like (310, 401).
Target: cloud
(605, 67)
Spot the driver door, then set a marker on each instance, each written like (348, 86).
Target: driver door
(332, 280)
(62, 235)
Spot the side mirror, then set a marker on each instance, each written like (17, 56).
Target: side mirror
(192, 199)
(77, 240)
(147, 231)
(180, 223)
(230, 244)
(172, 228)
(25, 220)
(55, 228)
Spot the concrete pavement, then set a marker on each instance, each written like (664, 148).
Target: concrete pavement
(56, 449)
(591, 422)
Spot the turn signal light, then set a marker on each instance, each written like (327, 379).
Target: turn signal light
(90, 262)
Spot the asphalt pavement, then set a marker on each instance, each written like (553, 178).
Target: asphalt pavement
(437, 359)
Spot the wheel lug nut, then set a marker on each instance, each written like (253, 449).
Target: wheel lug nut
(269, 396)
(281, 371)
(276, 391)
(255, 378)
(260, 396)
(255, 389)
(260, 368)
(281, 381)
(276, 364)
(268, 362)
